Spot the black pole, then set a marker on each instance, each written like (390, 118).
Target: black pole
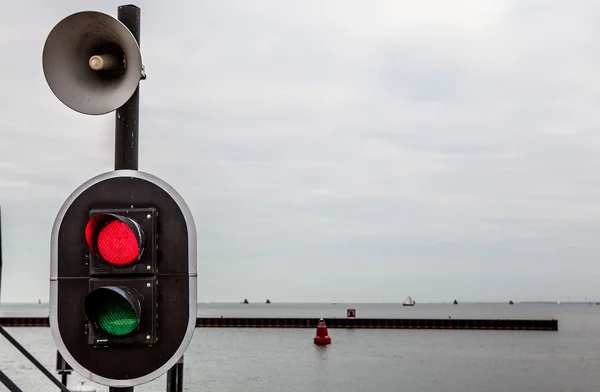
(32, 359)
(0, 253)
(175, 377)
(12, 387)
(62, 368)
(127, 116)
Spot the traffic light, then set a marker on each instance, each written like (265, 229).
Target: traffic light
(123, 250)
(123, 278)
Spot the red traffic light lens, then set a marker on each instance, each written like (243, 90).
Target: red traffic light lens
(118, 240)
(117, 244)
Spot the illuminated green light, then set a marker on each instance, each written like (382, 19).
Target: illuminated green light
(117, 317)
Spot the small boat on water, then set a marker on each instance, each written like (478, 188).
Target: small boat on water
(408, 301)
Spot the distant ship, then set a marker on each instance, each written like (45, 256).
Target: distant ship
(455, 302)
(408, 302)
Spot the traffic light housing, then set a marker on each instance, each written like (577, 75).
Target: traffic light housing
(121, 304)
(123, 248)
(123, 278)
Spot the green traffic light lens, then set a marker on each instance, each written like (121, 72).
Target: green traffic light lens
(117, 317)
(112, 310)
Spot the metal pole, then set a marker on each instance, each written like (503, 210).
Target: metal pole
(127, 116)
(0, 253)
(175, 377)
(63, 368)
(12, 387)
(37, 364)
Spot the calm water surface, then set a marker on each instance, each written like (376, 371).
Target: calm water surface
(265, 360)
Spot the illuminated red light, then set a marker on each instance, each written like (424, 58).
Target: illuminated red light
(115, 239)
(117, 244)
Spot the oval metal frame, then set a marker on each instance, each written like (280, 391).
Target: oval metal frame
(192, 265)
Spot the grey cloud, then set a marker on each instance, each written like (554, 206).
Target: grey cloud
(438, 151)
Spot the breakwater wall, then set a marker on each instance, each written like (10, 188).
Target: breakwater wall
(367, 323)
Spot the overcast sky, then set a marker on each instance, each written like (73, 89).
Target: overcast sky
(335, 150)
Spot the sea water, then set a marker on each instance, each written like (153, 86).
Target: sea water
(265, 360)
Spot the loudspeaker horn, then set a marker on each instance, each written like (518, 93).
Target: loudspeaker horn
(92, 62)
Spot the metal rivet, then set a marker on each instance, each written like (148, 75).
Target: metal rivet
(148, 284)
(148, 216)
(149, 267)
(147, 337)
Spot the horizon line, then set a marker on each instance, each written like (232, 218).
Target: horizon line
(353, 302)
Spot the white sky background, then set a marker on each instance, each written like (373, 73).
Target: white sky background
(335, 150)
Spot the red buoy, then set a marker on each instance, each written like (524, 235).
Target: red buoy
(322, 334)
